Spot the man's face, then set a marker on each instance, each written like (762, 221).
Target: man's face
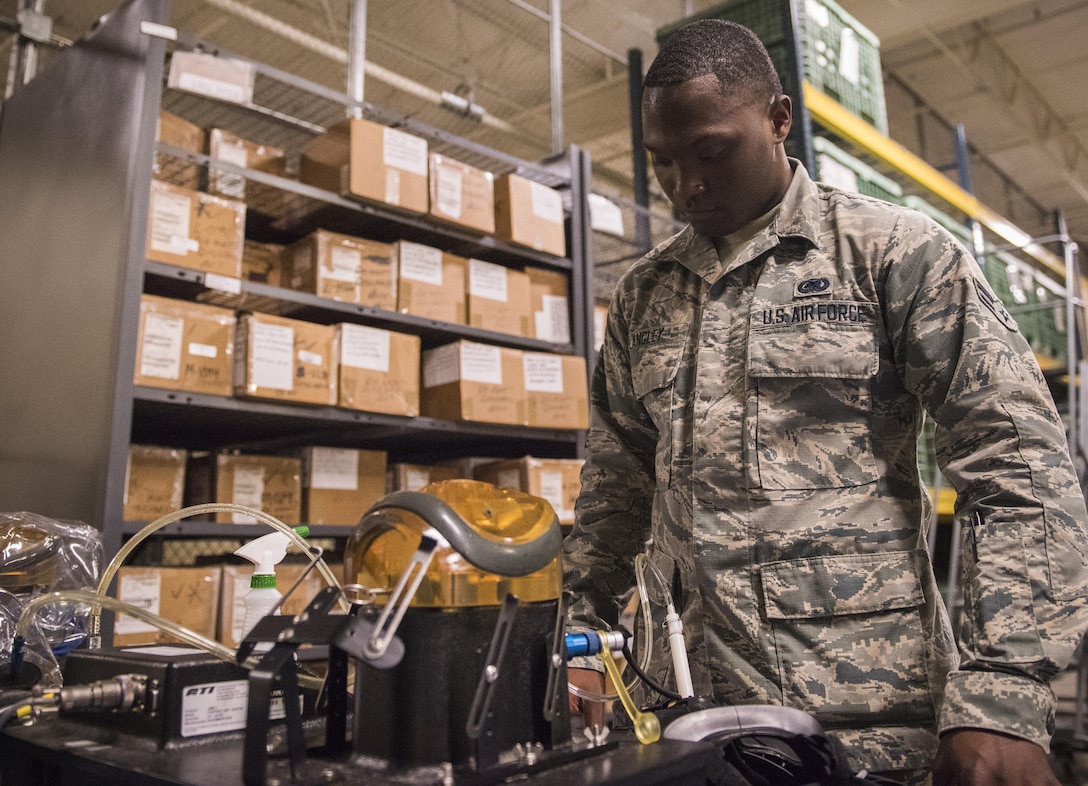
(718, 156)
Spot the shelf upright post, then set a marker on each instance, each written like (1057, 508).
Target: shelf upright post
(357, 57)
(581, 255)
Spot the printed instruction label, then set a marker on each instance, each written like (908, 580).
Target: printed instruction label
(392, 186)
(346, 264)
(551, 489)
(248, 490)
(850, 56)
(310, 358)
(817, 12)
(449, 191)
(230, 183)
(547, 203)
(836, 174)
(404, 151)
(220, 706)
(481, 363)
(170, 223)
(543, 373)
(421, 263)
(273, 355)
(203, 350)
(487, 280)
(143, 591)
(553, 319)
(365, 347)
(334, 468)
(160, 355)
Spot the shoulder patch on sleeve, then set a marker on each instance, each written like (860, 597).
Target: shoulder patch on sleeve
(990, 300)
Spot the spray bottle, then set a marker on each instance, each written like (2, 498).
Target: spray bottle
(265, 553)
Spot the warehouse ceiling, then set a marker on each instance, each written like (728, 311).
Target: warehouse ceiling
(1012, 73)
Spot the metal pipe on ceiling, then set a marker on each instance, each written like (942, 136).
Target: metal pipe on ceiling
(555, 52)
(332, 52)
(357, 56)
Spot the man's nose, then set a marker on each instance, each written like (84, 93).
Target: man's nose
(689, 186)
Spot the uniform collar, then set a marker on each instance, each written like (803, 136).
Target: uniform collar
(798, 217)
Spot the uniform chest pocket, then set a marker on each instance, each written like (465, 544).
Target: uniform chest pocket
(808, 424)
(653, 379)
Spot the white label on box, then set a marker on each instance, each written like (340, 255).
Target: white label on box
(817, 12)
(238, 604)
(160, 355)
(215, 707)
(334, 468)
(487, 280)
(415, 479)
(421, 263)
(223, 283)
(547, 203)
(365, 347)
(600, 322)
(392, 186)
(543, 373)
(346, 264)
(143, 591)
(605, 215)
(553, 319)
(448, 191)
(203, 350)
(481, 363)
(440, 366)
(248, 490)
(273, 355)
(216, 77)
(551, 489)
(837, 174)
(170, 223)
(404, 151)
(230, 183)
(508, 479)
(310, 358)
(850, 56)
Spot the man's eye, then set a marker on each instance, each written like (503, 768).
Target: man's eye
(659, 161)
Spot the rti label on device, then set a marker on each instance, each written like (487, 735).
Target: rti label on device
(219, 707)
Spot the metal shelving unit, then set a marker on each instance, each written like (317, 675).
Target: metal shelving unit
(76, 152)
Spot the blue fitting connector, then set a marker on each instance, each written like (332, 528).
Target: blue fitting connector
(591, 643)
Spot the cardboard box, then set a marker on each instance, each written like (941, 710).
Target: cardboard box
(431, 283)
(529, 214)
(498, 298)
(195, 230)
(154, 482)
(468, 381)
(342, 267)
(462, 194)
(188, 137)
(187, 596)
(413, 477)
(272, 484)
(378, 370)
(549, 302)
(227, 146)
(235, 585)
(556, 480)
(184, 346)
(340, 484)
(556, 390)
(365, 159)
(263, 263)
(284, 359)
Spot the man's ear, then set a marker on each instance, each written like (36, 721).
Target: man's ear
(781, 115)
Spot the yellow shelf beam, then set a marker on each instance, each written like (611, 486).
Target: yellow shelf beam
(831, 114)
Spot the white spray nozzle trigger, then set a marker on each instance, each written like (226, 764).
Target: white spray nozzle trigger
(268, 550)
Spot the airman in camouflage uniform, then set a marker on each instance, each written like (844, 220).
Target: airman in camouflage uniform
(759, 421)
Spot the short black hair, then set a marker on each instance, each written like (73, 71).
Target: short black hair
(730, 51)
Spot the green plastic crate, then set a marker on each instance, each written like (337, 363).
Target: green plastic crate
(838, 168)
(841, 56)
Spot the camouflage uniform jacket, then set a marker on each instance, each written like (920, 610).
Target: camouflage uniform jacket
(760, 423)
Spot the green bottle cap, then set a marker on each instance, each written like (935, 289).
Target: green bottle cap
(262, 581)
